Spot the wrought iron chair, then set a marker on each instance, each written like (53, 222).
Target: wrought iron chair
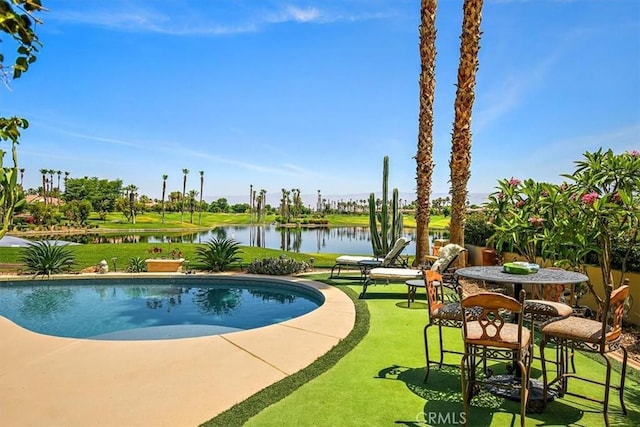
(440, 314)
(599, 337)
(493, 336)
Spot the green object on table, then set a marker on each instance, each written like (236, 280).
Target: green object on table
(520, 267)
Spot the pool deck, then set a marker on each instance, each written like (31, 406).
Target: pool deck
(55, 381)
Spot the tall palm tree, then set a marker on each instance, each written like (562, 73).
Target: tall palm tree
(185, 172)
(44, 184)
(460, 163)
(51, 172)
(250, 203)
(66, 179)
(131, 189)
(21, 176)
(164, 190)
(424, 156)
(201, 185)
(59, 173)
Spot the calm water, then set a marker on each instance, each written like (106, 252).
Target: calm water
(337, 240)
(152, 308)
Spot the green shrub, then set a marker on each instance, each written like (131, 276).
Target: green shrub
(137, 265)
(42, 258)
(218, 254)
(281, 266)
(477, 229)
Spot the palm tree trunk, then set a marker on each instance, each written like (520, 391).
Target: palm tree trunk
(465, 96)
(424, 157)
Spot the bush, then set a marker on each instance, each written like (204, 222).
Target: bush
(281, 266)
(136, 265)
(218, 254)
(42, 258)
(477, 229)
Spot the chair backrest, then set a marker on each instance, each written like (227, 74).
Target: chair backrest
(446, 257)
(431, 276)
(395, 251)
(492, 312)
(553, 292)
(613, 310)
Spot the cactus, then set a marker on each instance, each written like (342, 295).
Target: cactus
(390, 228)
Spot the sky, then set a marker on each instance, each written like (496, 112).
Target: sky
(312, 94)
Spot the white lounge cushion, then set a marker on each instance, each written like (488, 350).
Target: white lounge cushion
(353, 259)
(395, 273)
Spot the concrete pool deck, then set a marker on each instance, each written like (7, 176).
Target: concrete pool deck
(46, 380)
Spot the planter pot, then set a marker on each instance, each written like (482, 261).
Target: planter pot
(480, 255)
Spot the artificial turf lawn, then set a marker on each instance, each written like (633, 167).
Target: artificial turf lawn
(380, 381)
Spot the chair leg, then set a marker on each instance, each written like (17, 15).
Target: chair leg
(607, 383)
(364, 287)
(524, 392)
(441, 347)
(545, 379)
(465, 388)
(623, 375)
(426, 350)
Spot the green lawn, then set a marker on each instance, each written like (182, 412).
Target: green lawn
(379, 381)
(153, 220)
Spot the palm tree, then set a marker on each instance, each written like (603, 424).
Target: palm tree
(185, 172)
(465, 94)
(424, 156)
(51, 172)
(66, 179)
(164, 190)
(192, 204)
(59, 173)
(21, 176)
(201, 185)
(132, 201)
(250, 203)
(44, 184)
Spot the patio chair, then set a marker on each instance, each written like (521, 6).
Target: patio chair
(442, 264)
(492, 336)
(598, 337)
(365, 263)
(441, 314)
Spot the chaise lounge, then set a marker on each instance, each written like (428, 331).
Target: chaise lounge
(365, 263)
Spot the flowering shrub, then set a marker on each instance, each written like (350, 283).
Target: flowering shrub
(281, 266)
(575, 221)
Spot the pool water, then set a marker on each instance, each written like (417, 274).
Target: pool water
(132, 309)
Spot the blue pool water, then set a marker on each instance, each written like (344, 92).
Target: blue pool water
(151, 308)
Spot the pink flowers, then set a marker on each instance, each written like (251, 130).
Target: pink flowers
(590, 198)
(536, 221)
(514, 182)
(634, 153)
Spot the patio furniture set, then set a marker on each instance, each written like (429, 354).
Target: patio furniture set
(499, 327)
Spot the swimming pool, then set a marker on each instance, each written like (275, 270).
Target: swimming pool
(153, 308)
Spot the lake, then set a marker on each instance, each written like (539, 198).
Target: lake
(334, 240)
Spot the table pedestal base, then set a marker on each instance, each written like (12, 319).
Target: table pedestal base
(536, 391)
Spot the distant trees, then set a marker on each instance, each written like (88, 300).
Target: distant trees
(101, 193)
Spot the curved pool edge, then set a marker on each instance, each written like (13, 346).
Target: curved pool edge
(79, 381)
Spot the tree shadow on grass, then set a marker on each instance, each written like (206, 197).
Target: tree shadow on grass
(443, 401)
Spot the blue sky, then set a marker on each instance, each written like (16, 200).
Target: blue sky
(312, 94)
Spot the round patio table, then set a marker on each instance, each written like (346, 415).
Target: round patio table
(544, 276)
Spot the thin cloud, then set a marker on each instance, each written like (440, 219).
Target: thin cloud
(183, 21)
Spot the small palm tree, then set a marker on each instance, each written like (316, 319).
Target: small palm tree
(66, 179)
(218, 254)
(201, 186)
(164, 190)
(21, 176)
(44, 184)
(185, 172)
(44, 258)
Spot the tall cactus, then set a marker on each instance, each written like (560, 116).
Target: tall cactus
(390, 228)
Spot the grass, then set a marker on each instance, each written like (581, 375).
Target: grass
(380, 380)
(153, 221)
(92, 254)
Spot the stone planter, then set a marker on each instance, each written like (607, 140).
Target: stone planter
(164, 265)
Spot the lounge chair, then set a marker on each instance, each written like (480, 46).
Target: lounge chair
(365, 263)
(442, 264)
